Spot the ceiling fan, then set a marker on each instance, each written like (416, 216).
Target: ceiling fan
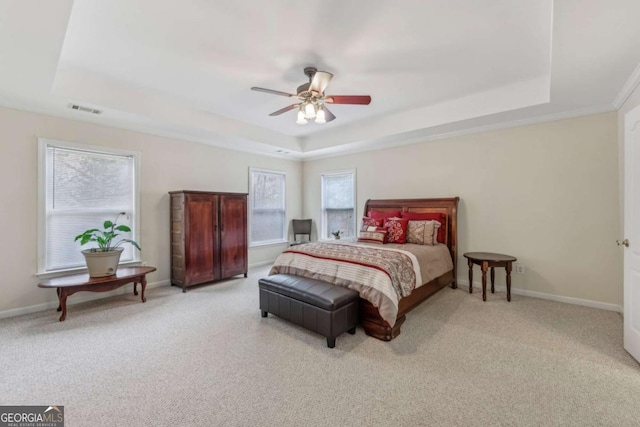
(313, 101)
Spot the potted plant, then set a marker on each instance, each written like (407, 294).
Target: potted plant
(103, 260)
(336, 234)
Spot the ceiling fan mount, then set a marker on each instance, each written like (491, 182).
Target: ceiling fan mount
(303, 90)
(310, 72)
(312, 98)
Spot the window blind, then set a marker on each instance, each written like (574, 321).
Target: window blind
(82, 190)
(268, 215)
(338, 204)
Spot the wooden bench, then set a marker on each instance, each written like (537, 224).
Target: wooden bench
(318, 306)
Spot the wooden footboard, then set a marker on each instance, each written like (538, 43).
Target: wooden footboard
(379, 328)
(370, 318)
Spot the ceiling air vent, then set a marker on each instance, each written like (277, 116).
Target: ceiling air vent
(85, 109)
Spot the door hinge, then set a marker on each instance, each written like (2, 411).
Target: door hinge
(624, 242)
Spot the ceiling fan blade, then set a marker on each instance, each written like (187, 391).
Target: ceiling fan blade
(275, 92)
(320, 81)
(328, 115)
(348, 99)
(284, 110)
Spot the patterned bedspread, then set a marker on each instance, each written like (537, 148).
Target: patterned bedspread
(381, 275)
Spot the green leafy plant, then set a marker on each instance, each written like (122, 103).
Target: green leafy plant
(106, 239)
(336, 234)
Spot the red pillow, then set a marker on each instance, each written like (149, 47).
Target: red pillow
(371, 222)
(396, 230)
(430, 216)
(383, 214)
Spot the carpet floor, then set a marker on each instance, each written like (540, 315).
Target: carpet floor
(207, 358)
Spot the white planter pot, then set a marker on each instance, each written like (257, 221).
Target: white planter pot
(101, 264)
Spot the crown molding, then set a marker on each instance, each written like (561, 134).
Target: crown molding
(628, 88)
(415, 139)
(359, 147)
(227, 143)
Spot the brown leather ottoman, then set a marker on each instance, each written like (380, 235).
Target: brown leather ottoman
(318, 306)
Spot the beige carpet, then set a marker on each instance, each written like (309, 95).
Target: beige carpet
(207, 358)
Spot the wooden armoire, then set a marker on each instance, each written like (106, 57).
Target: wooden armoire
(208, 237)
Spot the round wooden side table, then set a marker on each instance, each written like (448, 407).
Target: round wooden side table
(488, 260)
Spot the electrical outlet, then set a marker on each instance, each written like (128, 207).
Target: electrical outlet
(520, 269)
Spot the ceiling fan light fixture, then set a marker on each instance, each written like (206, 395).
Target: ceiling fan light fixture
(309, 111)
(320, 117)
(311, 99)
(301, 120)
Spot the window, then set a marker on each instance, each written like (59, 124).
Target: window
(267, 207)
(338, 204)
(79, 188)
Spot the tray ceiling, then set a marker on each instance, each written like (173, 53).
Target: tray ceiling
(431, 68)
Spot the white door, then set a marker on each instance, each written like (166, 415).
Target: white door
(632, 232)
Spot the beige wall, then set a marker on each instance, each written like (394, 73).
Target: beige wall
(166, 164)
(546, 193)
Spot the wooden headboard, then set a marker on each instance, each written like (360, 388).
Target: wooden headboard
(447, 206)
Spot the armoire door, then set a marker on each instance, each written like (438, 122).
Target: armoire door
(201, 238)
(233, 235)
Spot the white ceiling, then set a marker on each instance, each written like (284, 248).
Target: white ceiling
(432, 68)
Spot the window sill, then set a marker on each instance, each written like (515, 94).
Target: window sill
(267, 244)
(80, 270)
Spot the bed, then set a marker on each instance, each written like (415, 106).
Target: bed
(383, 274)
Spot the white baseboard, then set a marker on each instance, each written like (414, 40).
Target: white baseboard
(80, 298)
(261, 263)
(542, 295)
(91, 296)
